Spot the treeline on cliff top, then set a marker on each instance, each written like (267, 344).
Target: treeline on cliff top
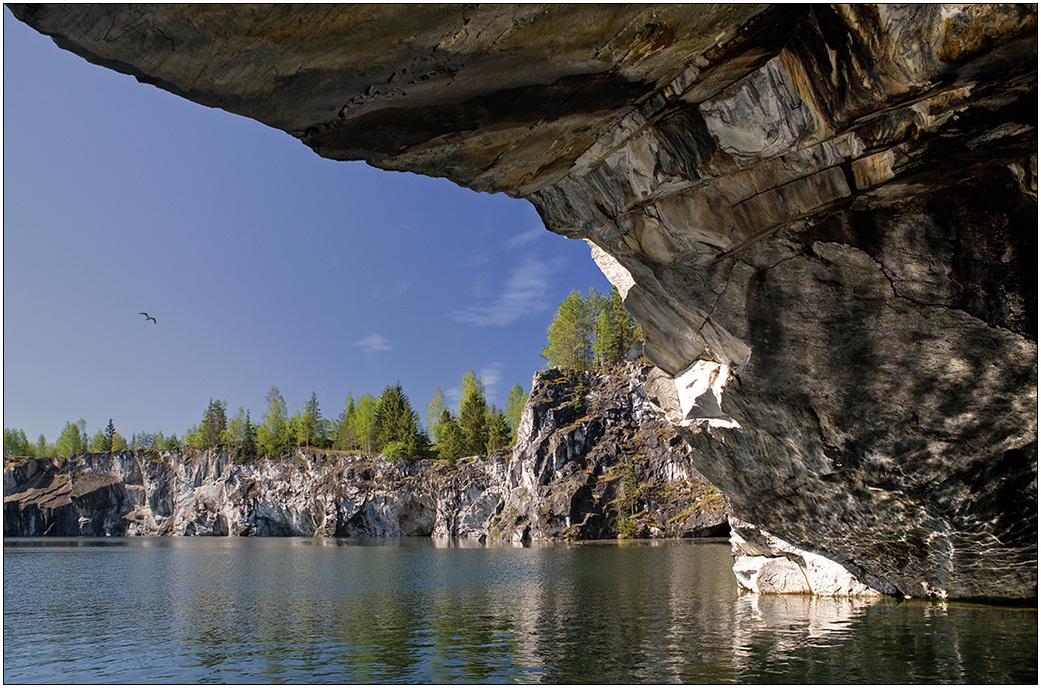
(586, 331)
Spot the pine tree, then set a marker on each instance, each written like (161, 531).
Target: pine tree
(615, 329)
(570, 335)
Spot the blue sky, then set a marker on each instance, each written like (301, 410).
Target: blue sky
(262, 263)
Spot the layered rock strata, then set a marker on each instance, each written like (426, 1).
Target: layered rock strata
(593, 461)
(824, 218)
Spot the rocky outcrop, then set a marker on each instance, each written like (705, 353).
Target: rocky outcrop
(824, 218)
(593, 459)
(595, 427)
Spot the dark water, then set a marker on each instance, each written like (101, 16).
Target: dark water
(182, 610)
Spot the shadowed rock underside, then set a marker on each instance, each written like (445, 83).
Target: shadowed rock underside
(824, 218)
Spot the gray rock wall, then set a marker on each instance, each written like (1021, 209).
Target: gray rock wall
(520, 495)
(824, 218)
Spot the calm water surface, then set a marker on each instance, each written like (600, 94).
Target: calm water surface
(239, 610)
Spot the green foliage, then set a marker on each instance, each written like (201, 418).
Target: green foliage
(99, 443)
(73, 439)
(395, 421)
(615, 331)
(16, 444)
(627, 502)
(498, 430)
(193, 437)
(110, 436)
(237, 427)
(435, 411)
(313, 430)
(570, 335)
(43, 448)
(273, 433)
(141, 440)
(450, 448)
(515, 402)
(584, 331)
(363, 422)
(473, 415)
(214, 424)
(355, 424)
(589, 329)
(249, 439)
(119, 443)
(396, 450)
(342, 436)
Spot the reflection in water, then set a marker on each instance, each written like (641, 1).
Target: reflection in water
(302, 610)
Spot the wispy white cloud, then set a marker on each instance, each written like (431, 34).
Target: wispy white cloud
(372, 343)
(526, 292)
(525, 238)
(490, 374)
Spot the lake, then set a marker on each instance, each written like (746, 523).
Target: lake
(301, 610)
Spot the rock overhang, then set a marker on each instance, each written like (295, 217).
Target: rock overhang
(782, 191)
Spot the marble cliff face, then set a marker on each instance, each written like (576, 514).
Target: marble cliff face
(592, 460)
(824, 218)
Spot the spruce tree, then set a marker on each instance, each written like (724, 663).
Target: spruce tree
(110, 436)
(249, 439)
(498, 430)
(311, 423)
(450, 447)
(473, 412)
(395, 421)
(214, 424)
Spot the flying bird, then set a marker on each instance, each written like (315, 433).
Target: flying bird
(148, 317)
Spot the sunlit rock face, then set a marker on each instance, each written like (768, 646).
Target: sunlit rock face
(824, 218)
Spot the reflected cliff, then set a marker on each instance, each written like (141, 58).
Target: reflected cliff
(414, 610)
